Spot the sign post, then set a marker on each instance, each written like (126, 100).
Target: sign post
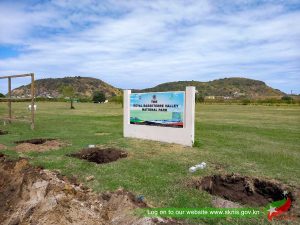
(160, 116)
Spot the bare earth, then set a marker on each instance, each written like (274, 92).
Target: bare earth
(30, 195)
(48, 145)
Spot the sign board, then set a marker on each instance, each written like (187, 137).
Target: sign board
(164, 109)
(160, 116)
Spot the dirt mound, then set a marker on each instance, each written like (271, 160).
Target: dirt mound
(3, 132)
(38, 145)
(30, 195)
(98, 155)
(245, 190)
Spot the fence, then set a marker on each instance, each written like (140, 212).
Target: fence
(9, 99)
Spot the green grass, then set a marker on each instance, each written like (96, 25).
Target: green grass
(261, 141)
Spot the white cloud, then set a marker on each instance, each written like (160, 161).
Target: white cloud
(136, 44)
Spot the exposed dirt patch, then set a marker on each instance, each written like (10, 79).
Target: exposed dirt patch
(36, 141)
(245, 190)
(3, 147)
(98, 155)
(3, 132)
(30, 195)
(39, 145)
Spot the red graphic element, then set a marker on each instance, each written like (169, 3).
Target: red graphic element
(285, 207)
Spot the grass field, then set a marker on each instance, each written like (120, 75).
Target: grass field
(261, 141)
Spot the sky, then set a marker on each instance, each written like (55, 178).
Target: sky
(140, 44)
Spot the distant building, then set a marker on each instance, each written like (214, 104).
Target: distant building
(238, 94)
(209, 97)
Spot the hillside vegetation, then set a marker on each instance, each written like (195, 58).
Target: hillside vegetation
(86, 86)
(227, 87)
(83, 87)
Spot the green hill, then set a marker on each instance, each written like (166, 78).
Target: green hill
(227, 87)
(86, 86)
(83, 87)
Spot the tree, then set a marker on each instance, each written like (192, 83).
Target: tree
(2, 95)
(99, 96)
(199, 98)
(68, 92)
(117, 99)
(287, 98)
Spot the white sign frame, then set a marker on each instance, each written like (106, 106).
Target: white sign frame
(183, 136)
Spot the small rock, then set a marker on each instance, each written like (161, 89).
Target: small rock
(68, 189)
(106, 196)
(89, 178)
(14, 221)
(84, 188)
(140, 198)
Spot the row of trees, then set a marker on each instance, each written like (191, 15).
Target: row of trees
(68, 92)
(245, 101)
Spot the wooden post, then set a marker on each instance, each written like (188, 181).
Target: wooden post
(9, 100)
(32, 101)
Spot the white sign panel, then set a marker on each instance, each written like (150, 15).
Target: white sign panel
(160, 116)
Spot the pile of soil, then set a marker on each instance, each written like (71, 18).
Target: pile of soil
(3, 132)
(38, 145)
(245, 190)
(30, 195)
(99, 156)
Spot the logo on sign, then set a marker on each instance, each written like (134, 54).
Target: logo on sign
(154, 99)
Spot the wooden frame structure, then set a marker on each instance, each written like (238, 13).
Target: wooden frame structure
(9, 99)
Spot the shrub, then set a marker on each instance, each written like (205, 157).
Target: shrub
(99, 96)
(287, 99)
(199, 98)
(246, 101)
(117, 99)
